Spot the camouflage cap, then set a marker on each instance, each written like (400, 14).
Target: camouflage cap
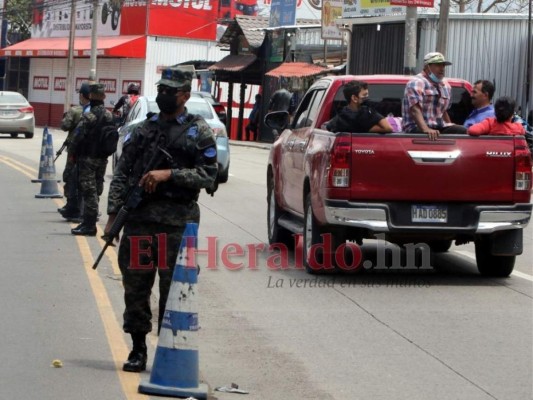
(96, 88)
(177, 76)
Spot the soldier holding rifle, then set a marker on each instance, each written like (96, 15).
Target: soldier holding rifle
(170, 187)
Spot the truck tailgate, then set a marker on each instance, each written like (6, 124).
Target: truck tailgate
(453, 168)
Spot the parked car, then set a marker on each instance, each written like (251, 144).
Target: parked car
(16, 115)
(195, 105)
(219, 108)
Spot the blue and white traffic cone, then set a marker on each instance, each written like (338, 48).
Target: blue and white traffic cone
(42, 158)
(175, 371)
(49, 188)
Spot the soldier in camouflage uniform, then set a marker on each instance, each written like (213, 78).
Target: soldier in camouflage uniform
(91, 163)
(170, 197)
(70, 121)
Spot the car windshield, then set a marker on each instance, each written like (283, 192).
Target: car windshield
(10, 98)
(199, 107)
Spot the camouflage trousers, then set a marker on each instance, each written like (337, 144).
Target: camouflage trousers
(141, 247)
(70, 178)
(91, 172)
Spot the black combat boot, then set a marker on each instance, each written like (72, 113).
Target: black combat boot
(70, 213)
(86, 228)
(137, 358)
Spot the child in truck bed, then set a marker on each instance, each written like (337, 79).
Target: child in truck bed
(501, 124)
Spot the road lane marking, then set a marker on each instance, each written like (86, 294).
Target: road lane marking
(115, 338)
(515, 273)
(22, 168)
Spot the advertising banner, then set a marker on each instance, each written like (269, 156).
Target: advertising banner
(282, 13)
(378, 8)
(412, 3)
(331, 10)
(189, 19)
(51, 18)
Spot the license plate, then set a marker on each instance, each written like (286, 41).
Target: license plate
(429, 213)
(8, 113)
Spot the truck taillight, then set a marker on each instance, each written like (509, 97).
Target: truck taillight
(341, 162)
(522, 181)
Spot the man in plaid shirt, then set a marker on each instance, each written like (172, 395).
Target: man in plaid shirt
(427, 98)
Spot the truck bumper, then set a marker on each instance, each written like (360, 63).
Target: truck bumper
(376, 217)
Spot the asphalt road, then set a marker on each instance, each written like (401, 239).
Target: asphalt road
(439, 333)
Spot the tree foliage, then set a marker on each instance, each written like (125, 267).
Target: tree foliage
(18, 14)
(493, 6)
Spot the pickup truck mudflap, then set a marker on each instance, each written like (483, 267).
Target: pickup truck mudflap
(398, 217)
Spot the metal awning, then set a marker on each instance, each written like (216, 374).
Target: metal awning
(127, 46)
(233, 63)
(296, 70)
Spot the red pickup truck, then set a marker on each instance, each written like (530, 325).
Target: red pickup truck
(403, 188)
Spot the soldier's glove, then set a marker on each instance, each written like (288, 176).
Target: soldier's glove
(213, 188)
(105, 238)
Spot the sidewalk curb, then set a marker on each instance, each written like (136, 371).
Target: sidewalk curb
(256, 145)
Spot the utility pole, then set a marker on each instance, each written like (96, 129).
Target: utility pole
(529, 72)
(3, 43)
(92, 72)
(70, 61)
(442, 32)
(409, 56)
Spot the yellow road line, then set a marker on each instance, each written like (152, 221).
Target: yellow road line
(17, 166)
(119, 350)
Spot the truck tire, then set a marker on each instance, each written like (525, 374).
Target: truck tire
(312, 236)
(440, 246)
(491, 265)
(276, 233)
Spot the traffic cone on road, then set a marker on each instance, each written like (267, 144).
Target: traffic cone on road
(175, 370)
(49, 187)
(43, 154)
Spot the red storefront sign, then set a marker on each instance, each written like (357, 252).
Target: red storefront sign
(60, 83)
(191, 19)
(41, 82)
(109, 84)
(412, 3)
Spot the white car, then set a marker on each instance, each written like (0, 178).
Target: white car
(16, 115)
(195, 105)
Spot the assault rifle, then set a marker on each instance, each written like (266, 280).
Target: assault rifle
(133, 199)
(58, 153)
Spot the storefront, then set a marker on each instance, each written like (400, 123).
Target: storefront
(135, 41)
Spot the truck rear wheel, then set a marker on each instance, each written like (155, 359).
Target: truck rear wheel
(317, 257)
(491, 265)
(276, 233)
(440, 246)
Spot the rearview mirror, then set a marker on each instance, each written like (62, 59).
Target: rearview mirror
(277, 120)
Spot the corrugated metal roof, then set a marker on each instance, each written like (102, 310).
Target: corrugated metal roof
(233, 63)
(296, 70)
(244, 25)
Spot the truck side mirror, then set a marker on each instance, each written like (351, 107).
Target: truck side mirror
(277, 120)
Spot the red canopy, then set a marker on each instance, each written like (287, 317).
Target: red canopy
(107, 46)
(296, 70)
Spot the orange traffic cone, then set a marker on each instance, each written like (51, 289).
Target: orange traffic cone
(49, 187)
(175, 370)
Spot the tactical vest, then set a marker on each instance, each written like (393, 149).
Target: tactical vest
(183, 148)
(90, 146)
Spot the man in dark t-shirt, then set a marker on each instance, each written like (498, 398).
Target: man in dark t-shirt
(358, 116)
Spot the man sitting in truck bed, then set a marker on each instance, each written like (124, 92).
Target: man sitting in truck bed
(427, 99)
(358, 116)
